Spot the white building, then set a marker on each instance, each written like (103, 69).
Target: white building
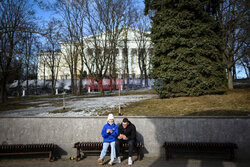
(136, 42)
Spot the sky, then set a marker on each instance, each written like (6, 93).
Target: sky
(46, 15)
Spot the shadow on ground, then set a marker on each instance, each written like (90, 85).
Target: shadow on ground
(186, 130)
(58, 152)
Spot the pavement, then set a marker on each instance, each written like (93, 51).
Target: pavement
(91, 161)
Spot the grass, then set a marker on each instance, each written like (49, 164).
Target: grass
(139, 93)
(22, 102)
(232, 103)
(13, 106)
(79, 110)
(124, 93)
(33, 97)
(62, 110)
(56, 103)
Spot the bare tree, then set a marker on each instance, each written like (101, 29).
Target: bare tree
(78, 13)
(34, 66)
(245, 62)
(15, 16)
(28, 53)
(144, 45)
(52, 56)
(234, 15)
(69, 11)
(19, 72)
(102, 22)
(42, 65)
(106, 22)
(130, 16)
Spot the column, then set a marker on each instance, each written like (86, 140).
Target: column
(130, 61)
(120, 65)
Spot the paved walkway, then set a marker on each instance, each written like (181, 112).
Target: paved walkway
(146, 162)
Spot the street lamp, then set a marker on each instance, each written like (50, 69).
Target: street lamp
(119, 101)
(119, 93)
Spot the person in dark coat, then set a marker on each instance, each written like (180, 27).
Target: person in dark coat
(126, 134)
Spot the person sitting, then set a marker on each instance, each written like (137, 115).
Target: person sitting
(127, 134)
(109, 134)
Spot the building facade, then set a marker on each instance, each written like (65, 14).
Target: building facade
(130, 57)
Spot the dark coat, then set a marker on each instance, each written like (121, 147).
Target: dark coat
(129, 132)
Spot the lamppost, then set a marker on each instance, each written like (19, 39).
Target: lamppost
(119, 102)
(119, 87)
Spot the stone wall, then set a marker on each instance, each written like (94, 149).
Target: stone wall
(152, 131)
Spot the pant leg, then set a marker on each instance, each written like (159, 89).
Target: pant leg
(118, 144)
(113, 153)
(104, 150)
(131, 145)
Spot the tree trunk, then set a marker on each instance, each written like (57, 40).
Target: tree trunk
(53, 86)
(230, 79)
(113, 66)
(44, 79)
(75, 73)
(100, 86)
(245, 69)
(248, 76)
(141, 80)
(4, 91)
(53, 81)
(72, 84)
(144, 70)
(146, 78)
(36, 85)
(19, 81)
(234, 72)
(80, 84)
(18, 87)
(27, 82)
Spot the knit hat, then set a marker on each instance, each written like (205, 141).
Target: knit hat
(111, 116)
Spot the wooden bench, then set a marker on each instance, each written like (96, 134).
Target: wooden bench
(199, 147)
(96, 147)
(11, 149)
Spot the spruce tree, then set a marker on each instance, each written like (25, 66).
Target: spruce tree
(187, 47)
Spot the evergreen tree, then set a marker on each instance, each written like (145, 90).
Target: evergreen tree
(187, 47)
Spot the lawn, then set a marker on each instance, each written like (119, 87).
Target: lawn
(231, 103)
(23, 102)
(26, 102)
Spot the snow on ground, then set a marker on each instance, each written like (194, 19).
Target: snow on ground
(80, 106)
